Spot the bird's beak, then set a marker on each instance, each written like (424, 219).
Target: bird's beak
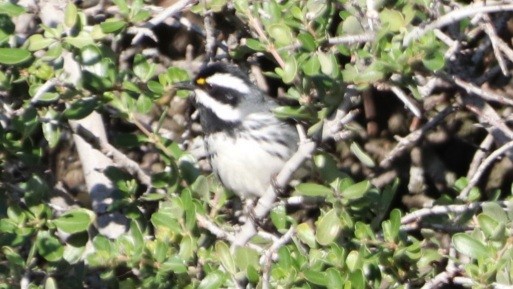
(184, 85)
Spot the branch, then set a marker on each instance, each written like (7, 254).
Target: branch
(205, 223)
(352, 39)
(265, 203)
(489, 118)
(412, 138)
(454, 16)
(483, 93)
(118, 157)
(439, 210)
(482, 168)
(170, 11)
(268, 257)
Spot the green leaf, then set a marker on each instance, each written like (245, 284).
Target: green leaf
(165, 219)
(279, 217)
(434, 61)
(328, 228)
(357, 279)
(225, 256)
(292, 112)
(141, 16)
(213, 280)
(175, 265)
(495, 211)
(155, 87)
(38, 42)
(255, 44)
(122, 5)
(351, 26)
(306, 234)
(112, 25)
(11, 9)
(315, 277)
(490, 227)
(48, 97)
(326, 63)
(313, 190)
(49, 247)
(334, 278)
(290, 70)
(357, 190)
(361, 155)
(137, 239)
(392, 20)
(469, 246)
(307, 41)
(13, 56)
(187, 248)
(391, 227)
(144, 104)
(50, 283)
(70, 15)
(281, 34)
(74, 221)
(142, 69)
(51, 131)
(296, 13)
(81, 40)
(353, 261)
(245, 258)
(312, 66)
(80, 108)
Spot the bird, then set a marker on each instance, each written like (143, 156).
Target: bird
(247, 145)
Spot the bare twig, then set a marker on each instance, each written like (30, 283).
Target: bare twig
(210, 39)
(489, 118)
(342, 115)
(352, 39)
(265, 203)
(483, 93)
(207, 224)
(118, 157)
(439, 210)
(406, 100)
(268, 256)
(257, 26)
(49, 84)
(480, 155)
(159, 18)
(413, 137)
(482, 168)
(494, 39)
(455, 16)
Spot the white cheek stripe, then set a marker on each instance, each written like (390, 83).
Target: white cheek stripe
(228, 81)
(223, 111)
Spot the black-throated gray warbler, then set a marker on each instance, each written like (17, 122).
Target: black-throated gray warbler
(247, 144)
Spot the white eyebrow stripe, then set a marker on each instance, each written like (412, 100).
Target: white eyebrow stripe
(229, 81)
(224, 111)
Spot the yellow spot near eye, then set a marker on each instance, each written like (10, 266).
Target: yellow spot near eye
(200, 81)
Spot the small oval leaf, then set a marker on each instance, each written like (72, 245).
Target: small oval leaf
(12, 56)
(74, 221)
(469, 246)
(328, 228)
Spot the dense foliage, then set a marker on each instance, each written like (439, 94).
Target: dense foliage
(104, 183)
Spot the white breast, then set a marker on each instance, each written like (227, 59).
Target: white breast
(245, 165)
